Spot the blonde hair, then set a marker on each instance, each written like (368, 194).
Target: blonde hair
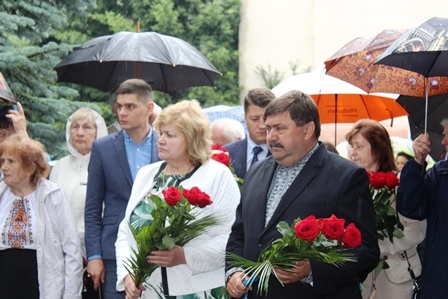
(187, 116)
(84, 113)
(31, 154)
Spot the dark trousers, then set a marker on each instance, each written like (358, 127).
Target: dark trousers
(18, 274)
(109, 287)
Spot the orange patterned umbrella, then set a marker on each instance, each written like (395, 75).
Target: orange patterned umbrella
(354, 63)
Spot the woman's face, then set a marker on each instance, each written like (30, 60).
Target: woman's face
(400, 161)
(13, 171)
(82, 133)
(361, 153)
(172, 144)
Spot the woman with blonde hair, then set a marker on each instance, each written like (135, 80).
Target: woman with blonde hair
(197, 268)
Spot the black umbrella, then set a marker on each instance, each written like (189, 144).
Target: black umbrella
(166, 62)
(437, 110)
(423, 50)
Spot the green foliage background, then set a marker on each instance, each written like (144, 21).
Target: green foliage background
(36, 35)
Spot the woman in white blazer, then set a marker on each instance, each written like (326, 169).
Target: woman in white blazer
(197, 268)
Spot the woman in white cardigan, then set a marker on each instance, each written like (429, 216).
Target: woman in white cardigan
(372, 149)
(197, 268)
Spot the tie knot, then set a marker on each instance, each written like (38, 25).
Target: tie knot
(257, 150)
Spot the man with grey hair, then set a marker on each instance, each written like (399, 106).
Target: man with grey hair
(423, 194)
(226, 130)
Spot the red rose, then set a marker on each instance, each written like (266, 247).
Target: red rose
(218, 147)
(196, 197)
(392, 180)
(223, 158)
(352, 237)
(333, 227)
(377, 179)
(307, 229)
(204, 200)
(192, 195)
(172, 195)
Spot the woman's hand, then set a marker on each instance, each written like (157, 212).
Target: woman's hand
(167, 258)
(129, 287)
(300, 270)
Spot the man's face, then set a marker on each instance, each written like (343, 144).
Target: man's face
(4, 133)
(255, 124)
(285, 139)
(132, 113)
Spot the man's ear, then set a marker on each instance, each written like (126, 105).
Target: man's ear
(309, 129)
(150, 108)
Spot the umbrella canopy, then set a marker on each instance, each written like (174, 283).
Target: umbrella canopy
(423, 50)
(166, 62)
(354, 63)
(6, 94)
(339, 101)
(349, 108)
(223, 111)
(437, 110)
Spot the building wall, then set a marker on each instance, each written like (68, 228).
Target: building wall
(274, 34)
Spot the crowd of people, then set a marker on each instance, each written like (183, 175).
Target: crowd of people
(76, 223)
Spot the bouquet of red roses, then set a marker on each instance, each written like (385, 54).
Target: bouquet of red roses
(174, 223)
(382, 188)
(221, 155)
(323, 240)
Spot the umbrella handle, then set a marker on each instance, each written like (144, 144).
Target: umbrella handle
(426, 104)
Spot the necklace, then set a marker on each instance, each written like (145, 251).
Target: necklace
(182, 173)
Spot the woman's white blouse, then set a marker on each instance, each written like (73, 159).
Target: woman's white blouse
(6, 208)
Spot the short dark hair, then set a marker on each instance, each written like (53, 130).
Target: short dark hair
(379, 140)
(136, 86)
(405, 155)
(260, 97)
(300, 106)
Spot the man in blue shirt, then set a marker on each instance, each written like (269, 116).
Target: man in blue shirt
(114, 163)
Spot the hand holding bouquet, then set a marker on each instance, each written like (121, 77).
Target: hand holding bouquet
(174, 223)
(323, 240)
(382, 188)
